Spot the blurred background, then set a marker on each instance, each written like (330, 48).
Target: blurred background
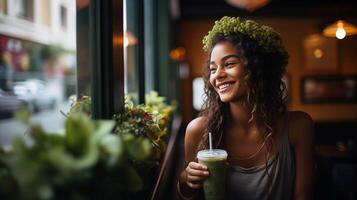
(37, 62)
(47, 49)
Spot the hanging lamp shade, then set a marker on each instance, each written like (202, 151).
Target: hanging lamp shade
(339, 29)
(250, 5)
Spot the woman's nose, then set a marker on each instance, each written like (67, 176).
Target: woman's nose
(221, 72)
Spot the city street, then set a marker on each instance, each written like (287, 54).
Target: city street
(50, 120)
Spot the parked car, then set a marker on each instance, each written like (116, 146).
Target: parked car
(9, 103)
(36, 93)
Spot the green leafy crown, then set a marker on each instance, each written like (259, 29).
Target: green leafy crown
(266, 36)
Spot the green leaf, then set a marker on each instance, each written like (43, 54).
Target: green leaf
(29, 177)
(55, 140)
(81, 105)
(139, 148)
(23, 115)
(104, 127)
(70, 166)
(78, 130)
(37, 133)
(60, 160)
(19, 147)
(89, 159)
(112, 146)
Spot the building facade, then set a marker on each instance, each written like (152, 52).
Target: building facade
(42, 21)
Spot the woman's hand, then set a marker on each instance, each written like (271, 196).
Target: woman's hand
(195, 174)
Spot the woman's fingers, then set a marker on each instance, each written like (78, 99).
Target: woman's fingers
(194, 185)
(191, 178)
(195, 182)
(198, 166)
(196, 172)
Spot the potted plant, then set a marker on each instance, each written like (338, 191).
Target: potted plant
(86, 160)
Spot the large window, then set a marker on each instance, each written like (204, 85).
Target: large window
(148, 40)
(43, 66)
(38, 73)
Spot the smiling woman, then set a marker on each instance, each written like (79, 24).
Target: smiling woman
(270, 150)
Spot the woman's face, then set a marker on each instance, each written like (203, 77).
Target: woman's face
(227, 72)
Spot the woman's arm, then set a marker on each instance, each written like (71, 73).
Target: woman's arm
(302, 138)
(194, 173)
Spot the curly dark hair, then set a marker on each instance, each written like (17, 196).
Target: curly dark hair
(265, 95)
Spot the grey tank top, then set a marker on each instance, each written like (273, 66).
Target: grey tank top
(252, 183)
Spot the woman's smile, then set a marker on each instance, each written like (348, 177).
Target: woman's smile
(225, 87)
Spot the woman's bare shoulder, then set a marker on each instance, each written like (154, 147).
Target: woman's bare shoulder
(195, 129)
(301, 126)
(194, 133)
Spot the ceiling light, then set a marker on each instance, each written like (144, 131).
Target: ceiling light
(250, 5)
(340, 29)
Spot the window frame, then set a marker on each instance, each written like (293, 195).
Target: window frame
(107, 58)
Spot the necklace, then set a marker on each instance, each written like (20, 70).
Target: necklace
(243, 158)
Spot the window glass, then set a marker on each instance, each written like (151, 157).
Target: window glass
(63, 17)
(151, 61)
(23, 8)
(131, 48)
(37, 65)
(84, 83)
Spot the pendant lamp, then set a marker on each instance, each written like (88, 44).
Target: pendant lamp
(250, 5)
(340, 29)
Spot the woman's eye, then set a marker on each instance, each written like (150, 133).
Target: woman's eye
(212, 70)
(231, 64)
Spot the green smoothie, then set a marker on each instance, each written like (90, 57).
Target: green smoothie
(215, 184)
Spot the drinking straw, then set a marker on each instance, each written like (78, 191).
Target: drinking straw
(210, 141)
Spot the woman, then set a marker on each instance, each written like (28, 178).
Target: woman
(270, 150)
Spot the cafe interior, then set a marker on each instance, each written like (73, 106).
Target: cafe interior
(321, 63)
(137, 46)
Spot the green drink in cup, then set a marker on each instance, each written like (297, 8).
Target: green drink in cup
(215, 184)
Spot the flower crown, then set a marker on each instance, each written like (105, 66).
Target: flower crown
(266, 36)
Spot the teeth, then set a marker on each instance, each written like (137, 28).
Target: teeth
(224, 86)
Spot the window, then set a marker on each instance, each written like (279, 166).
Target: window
(147, 63)
(133, 49)
(23, 9)
(37, 74)
(63, 17)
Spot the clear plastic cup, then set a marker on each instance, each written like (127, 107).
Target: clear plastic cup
(215, 184)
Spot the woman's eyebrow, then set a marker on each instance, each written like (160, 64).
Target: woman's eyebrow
(230, 56)
(225, 58)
